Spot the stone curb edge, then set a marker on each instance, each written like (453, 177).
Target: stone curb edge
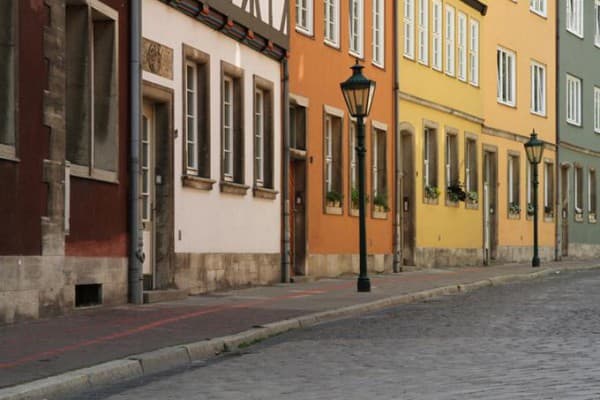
(170, 357)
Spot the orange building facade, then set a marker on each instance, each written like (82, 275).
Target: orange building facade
(326, 38)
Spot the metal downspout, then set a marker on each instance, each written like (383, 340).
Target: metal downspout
(397, 261)
(135, 278)
(285, 206)
(557, 167)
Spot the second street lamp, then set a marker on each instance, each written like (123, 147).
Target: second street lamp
(358, 92)
(534, 149)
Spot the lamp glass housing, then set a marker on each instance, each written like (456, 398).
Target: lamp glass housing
(534, 149)
(358, 92)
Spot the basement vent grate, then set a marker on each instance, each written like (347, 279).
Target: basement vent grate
(88, 295)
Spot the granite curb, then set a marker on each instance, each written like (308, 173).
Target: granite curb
(168, 358)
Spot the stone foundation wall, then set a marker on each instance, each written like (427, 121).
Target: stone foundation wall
(331, 265)
(428, 257)
(508, 254)
(584, 250)
(44, 286)
(201, 273)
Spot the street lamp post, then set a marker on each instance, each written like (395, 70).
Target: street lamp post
(358, 92)
(534, 149)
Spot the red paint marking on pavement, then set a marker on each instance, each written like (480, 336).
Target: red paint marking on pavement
(155, 324)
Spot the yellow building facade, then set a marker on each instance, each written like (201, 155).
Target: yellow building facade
(441, 116)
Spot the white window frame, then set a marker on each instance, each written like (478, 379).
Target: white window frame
(574, 17)
(507, 82)
(409, 29)
(578, 200)
(529, 173)
(228, 129)
(379, 33)
(191, 116)
(547, 195)
(259, 136)
(538, 89)
(591, 185)
(328, 153)
(145, 158)
(450, 37)
(514, 161)
(474, 52)
(304, 25)
(353, 160)
(597, 23)
(596, 109)
(573, 93)
(375, 162)
(356, 28)
(539, 7)
(462, 47)
(436, 46)
(331, 28)
(423, 32)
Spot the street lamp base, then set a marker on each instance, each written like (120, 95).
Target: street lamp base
(363, 284)
(535, 262)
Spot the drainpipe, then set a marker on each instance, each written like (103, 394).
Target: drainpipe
(397, 261)
(285, 189)
(557, 167)
(136, 253)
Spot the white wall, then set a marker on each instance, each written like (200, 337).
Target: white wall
(209, 221)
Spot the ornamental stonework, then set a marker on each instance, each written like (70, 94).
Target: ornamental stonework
(157, 59)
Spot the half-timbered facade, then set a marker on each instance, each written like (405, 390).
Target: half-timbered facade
(210, 176)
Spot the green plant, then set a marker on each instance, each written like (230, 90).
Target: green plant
(381, 200)
(548, 210)
(333, 197)
(456, 193)
(514, 208)
(530, 209)
(473, 197)
(432, 192)
(354, 197)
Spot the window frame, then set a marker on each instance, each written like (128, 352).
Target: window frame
(461, 47)
(471, 168)
(597, 23)
(451, 160)
(574, 100)
(578, 190)
(331, 27)
(548, 187)
(235, 175)
(450, 40)
(359, 35)
(92, 170)
(501, 74)
(437, 59)
(592, 195)
(423, 32)
(473, 52)
(332, 154)
(574, 20)
(409, 29)
(539, 7)
(379, 166)
(535, 69)
(378, 27)
(266, 153)
(513, 181)
(430, 157)
(9, 132)
(306, 27)
(596, 109)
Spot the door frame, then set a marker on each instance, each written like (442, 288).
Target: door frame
(489, 211)
(163, 101)
(407, 134)
(565, 201)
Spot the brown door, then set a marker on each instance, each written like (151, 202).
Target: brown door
(408, 200)
(490, 212)
(298, 216)
(564, 190)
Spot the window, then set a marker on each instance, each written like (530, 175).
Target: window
(423, 29)
(471, 178)
(596, 109)
(514, 203)
(196, 102)
(353, 160)
(597, 20)
(548, 189)
(332, 22)
(232, 128)
(450, 40)
(7, 79)
(573, 100)
(436, 62)
(538, 89)
(538, 7)
(379, 160)
(304, 16)
(356, 27)
(575, 17)
(333, 156)
(409, 28)
(506, 76)
(462, 46)
(263, 133)
(529, 191)
(578, 190)
(145, 157)
(451, 166)
(378, 32)
(297, 126)
(474, 54)
(92, 90)
(430, 158)
(592, 195)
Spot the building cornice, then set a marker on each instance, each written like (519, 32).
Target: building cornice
(579, 149)
(515, 137)
(439, 107)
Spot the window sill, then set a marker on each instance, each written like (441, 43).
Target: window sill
(305, 32)
(333, 45)
(538, 114)
(356, 54)
(237, 189)
(471, 205)
(378, 65)
(297, 154)
(450, 203)
(548, 218)
(84, 172)
(576, 34)
(8, 153)
(431, 201)
(592, 218)
(578, 217)
(514, 216)
(354, 212)
(264, 193)
(380, 214)
(197, 182)
(332, 210)
(538, 13)
(504, 103)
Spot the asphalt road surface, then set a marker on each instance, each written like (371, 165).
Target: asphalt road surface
(537, 340)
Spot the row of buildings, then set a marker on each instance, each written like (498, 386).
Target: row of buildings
(161, 148)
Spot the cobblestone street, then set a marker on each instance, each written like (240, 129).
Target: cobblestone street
(534, 340)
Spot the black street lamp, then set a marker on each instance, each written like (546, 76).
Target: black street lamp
(358, 92)
(534, 149)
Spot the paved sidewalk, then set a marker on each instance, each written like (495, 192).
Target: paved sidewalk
(105, 345)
